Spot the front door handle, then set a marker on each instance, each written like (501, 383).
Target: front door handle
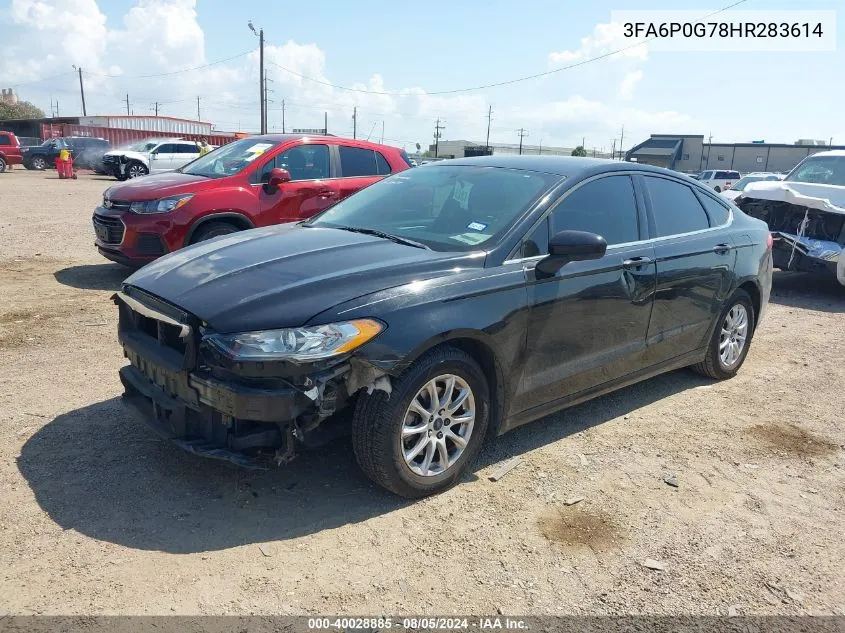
(636, 262)
(722, 249)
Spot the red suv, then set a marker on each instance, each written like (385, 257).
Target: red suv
(252, 182)
(10, 150)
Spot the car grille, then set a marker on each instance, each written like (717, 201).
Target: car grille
(110, 160)
(167, 335)
(108, 230)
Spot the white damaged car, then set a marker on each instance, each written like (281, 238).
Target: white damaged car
(150, 156)
(805, 213)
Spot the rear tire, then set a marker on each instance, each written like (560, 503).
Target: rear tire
(212, 229)
(38, 163)
(383, 426)
(2, 165)
(718, 189)
(728, 329)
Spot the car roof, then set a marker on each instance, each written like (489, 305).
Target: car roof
(283, 138)
(569, 166)
(832, 152)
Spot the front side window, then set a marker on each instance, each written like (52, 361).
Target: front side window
(355, 162)
(823, 170)
(675, 208)
(448, 208)
(605, 206)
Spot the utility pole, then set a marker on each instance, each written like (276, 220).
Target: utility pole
(127, 104)
(81, 89)
(355, 122)
(266, 101)
(522, 134)
(621, 139)
(489, 118)
(198, 109)
(382, 132)
(261, 86)
(156, 107)
(540, 147)
(283, 116)
(613, 151)
(437, 128)
(326, 122)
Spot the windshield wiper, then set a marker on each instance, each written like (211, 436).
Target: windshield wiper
(387, 236)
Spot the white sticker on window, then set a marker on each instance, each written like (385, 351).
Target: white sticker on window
(476, 226)
(259, 148)
(461, 193)
(470, 238)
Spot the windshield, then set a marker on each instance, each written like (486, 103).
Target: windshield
(823, 170)
(142, 146)
(228, 159)
(447, 208)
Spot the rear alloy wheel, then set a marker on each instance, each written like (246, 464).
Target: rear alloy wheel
(135, 169)
(38, 162)
(419, 439)
(731, 338)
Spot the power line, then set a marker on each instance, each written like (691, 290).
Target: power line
(499, 83)
(173, 72)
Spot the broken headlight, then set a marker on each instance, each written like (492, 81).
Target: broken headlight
(297, 344)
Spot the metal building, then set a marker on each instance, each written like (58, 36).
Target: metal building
(690, 154)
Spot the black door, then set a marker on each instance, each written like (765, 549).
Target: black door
(588, 323)
(695, 263)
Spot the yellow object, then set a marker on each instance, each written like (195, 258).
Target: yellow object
(64, 154)
(367, 329)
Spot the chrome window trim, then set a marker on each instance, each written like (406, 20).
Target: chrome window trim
(625, 244)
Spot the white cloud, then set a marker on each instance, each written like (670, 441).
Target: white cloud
(630, 81)
(606, 38)
(160, 36)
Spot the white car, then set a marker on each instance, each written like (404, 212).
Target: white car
(152, 156)
(739, 186)
(806, 214)
(719, 179)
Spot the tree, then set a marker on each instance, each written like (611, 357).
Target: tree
(579, 151)
(20, 110)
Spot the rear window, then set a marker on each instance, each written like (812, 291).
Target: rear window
(356, 161)
(404, 156)
(675, 207)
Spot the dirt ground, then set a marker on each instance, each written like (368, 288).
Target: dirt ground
(99, 517)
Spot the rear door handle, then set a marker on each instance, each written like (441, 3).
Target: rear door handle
(722, 249)
(636, 262)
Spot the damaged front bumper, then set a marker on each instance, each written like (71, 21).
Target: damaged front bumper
(797, 252)
(253, 423)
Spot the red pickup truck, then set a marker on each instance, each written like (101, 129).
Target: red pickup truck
(252, 182)
(10, 150)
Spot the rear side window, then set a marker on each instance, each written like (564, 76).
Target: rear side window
(716, 210)
(187, 149)
(405, 158)
(355, 161)
(382, 165)
(168, 148)
(675, 208)
(605, 206)
(5, 140)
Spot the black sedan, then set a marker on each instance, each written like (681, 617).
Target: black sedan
(440, 306)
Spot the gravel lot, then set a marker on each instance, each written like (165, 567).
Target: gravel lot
(99, 517)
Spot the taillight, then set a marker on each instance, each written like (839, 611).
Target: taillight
(770, 241)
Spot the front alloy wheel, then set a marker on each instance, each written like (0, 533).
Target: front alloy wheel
(419, 438)
(134, 170)
(438, 425)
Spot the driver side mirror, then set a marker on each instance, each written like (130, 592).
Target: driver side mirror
(277, 178)
(571, 246)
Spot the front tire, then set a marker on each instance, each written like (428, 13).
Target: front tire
(212, 229)
(135, 169)
(718, 189)
(731, 338)
(39, 163)
(419, 439)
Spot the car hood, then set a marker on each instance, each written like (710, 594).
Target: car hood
(829, 198)
(154, 187)
(283, 275)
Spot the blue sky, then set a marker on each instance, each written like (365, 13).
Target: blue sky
(419, 47)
